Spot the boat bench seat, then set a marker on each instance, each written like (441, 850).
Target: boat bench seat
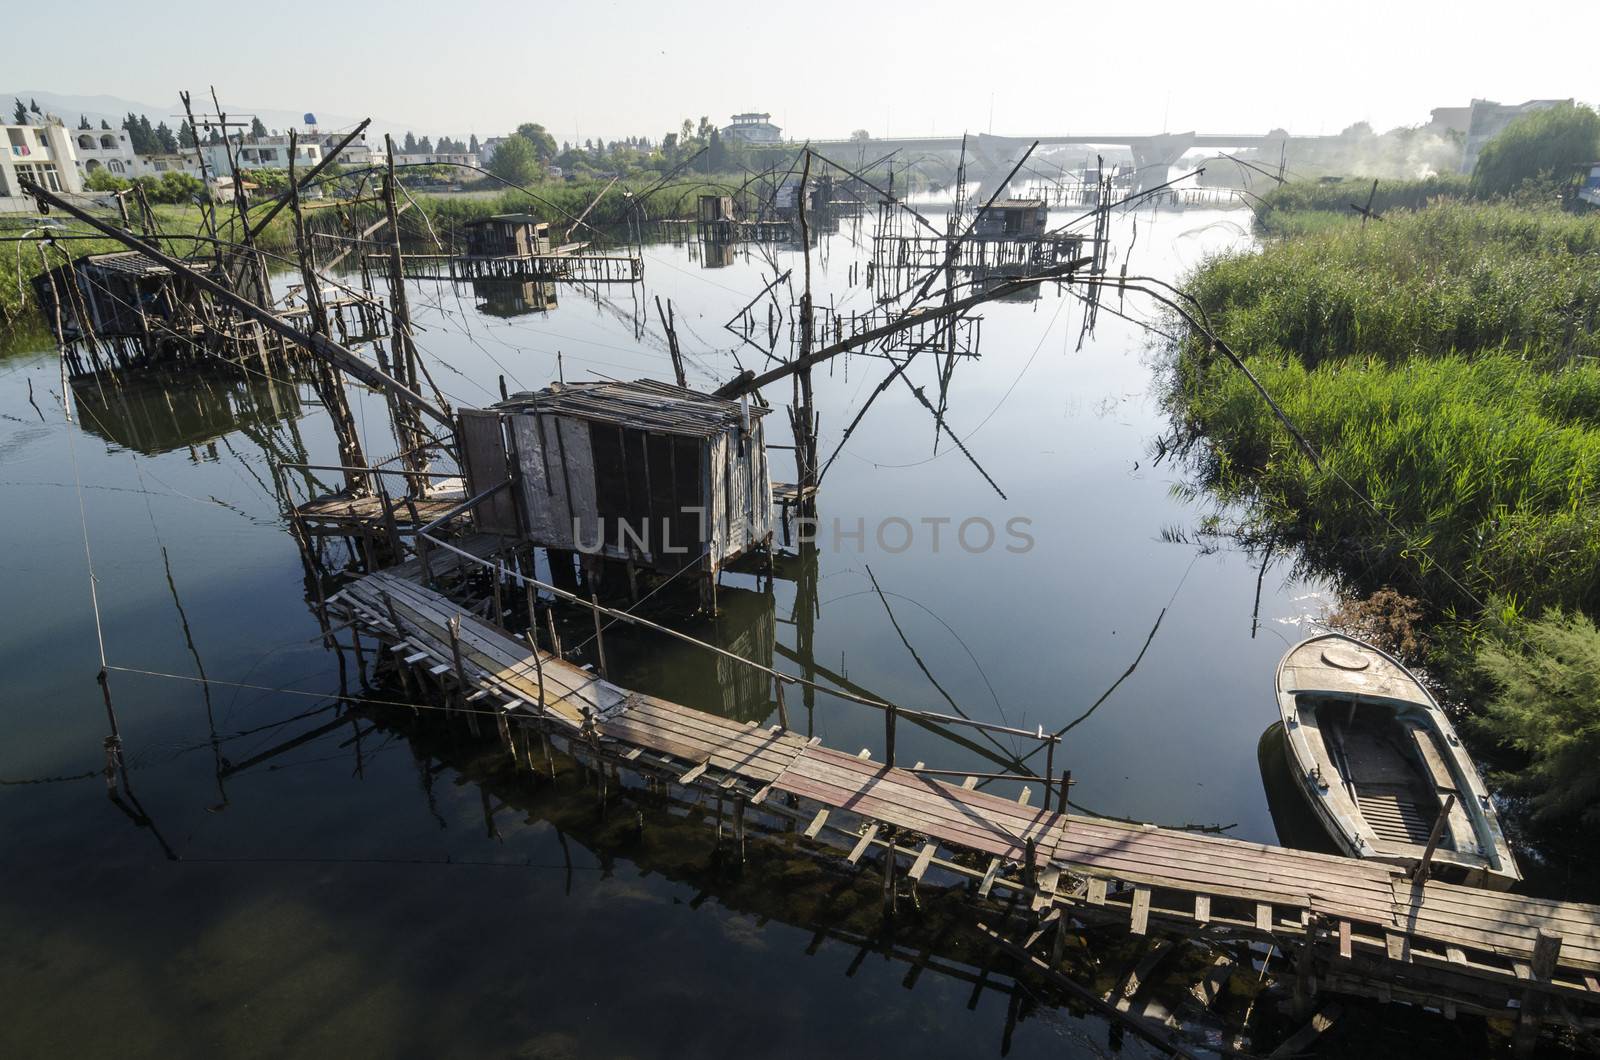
(1438, 771)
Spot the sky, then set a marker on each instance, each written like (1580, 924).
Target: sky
(613, 68)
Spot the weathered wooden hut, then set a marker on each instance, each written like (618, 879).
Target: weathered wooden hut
(647, 472)
(1013, 219)
(714, 208)
(121, 295)
(507, 235)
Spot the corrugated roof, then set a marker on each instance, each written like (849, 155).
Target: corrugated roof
(508, 218)
(129, 261)
(643, 404)
(1018, 204)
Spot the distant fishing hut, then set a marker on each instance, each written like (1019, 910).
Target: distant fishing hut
(1013, 219)
(507, 235)
(657, 476)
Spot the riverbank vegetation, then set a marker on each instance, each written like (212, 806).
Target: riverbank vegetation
(1444, 363)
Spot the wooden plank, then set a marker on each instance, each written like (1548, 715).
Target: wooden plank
(1141, 911)
(1263, 916)
(1097, 891)
(988, 878)
(863, 843)
(1211, 983)
(1202, 908)
(1300, 1040)
(816, 823)
(1345, 948)
(920, 866)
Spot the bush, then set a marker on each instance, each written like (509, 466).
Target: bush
(1543, 145)
(172, 188)
(516, 160)
(1546, 705)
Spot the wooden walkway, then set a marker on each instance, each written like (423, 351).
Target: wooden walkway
(1368, 929)
(524, 268)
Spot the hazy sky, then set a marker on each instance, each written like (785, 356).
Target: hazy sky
(823, 68)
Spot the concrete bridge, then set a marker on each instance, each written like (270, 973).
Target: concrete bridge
(990, 157)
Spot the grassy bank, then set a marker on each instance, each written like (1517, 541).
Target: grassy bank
(1446, 364)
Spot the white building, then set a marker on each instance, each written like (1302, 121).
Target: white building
(160, 165)
(450, 158)
(752, 128)
(486, 149)
(107, 149)
(41, 152)
(263, 152)
(357, 153)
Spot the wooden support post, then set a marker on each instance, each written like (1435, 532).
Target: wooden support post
(538, 670)
(555, 638)
(1546, 952)
(599, 636)
(499, 604)
(1426, 864)
(888, 720)
(783, 709)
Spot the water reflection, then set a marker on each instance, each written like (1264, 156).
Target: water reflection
(154, 412)
(1295, 822)
(508, 298)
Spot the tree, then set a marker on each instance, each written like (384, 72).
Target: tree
(33, 105)
(544, 145)
(705, 129)
(1544, 144)
(669, 144)
(716, 153)
(257, 129)
(861, 135)
(425, 145)
(409, 145)
(686, 132)
(105, 124)
(136, 136)
(151, 143)
(1546, 676)
(515, 161)
(83, 122)
(21, 113)
(185, 134)
(473, 147)
(164, 137)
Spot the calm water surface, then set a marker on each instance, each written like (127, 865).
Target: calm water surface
(374, 891)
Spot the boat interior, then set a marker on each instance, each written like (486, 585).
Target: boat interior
(1391, 765)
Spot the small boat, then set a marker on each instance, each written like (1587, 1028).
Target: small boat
(1382, 767)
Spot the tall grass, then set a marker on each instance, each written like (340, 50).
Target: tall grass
(1444, 364)
(1335, 197)
(1453, 277)
(1483, 472)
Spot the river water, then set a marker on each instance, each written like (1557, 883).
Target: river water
(369, 890)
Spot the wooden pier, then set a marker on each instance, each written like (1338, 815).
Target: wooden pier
(522, 268)
(1354, 927)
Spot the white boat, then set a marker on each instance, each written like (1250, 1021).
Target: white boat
(1379, 762)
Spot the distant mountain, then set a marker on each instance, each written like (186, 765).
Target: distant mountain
(114, 108)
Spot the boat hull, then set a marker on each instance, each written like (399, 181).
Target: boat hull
(1381, 767)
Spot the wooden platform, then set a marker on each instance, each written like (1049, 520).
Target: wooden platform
(343, 512)
(1371, 930)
